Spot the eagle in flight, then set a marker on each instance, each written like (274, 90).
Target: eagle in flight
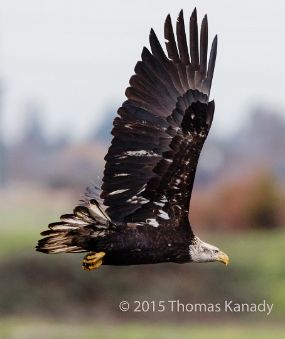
(140, 214)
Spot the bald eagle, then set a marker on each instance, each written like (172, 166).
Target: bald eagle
(140, 214)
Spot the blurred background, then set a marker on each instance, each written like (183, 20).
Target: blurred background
(64, 66)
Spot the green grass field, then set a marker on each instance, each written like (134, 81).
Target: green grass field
(12, 329)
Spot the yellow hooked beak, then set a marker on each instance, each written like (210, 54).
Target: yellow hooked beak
(222, 257)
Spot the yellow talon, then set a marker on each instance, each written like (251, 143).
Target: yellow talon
(92, 261)
(91, 256)
(96, 265)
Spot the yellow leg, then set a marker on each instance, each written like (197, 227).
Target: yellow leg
(92, 261)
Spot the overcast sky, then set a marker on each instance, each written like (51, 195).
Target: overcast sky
(75, 57)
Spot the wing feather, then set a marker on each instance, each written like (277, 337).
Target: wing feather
(170, 41)
(203, 48)
(211, 66)
(194, 49)
(181, 39)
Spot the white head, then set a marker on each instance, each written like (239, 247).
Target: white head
(200, 251)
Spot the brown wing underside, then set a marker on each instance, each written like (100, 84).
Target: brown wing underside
(161, 128)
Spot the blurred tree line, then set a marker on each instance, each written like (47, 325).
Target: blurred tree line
(255, 202)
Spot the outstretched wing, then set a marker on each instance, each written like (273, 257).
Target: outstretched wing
(160, 131)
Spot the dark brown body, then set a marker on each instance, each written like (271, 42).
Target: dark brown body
(143, 245)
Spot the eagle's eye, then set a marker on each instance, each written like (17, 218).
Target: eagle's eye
(216, 251)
